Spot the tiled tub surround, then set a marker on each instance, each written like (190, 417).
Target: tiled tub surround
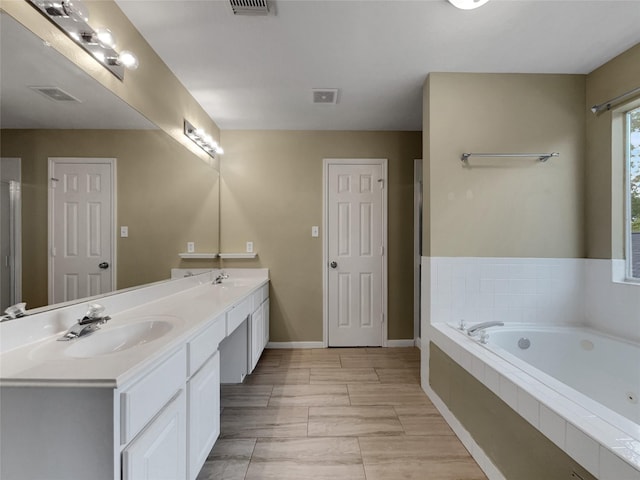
(515, 290)
(573, 291)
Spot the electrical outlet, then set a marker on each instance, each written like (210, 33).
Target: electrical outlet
(124, 231)
(249, 247)
(314, 231)
(191, 247)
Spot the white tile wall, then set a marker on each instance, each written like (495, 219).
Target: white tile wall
(532, 290)
(506, 289)
(611, 307)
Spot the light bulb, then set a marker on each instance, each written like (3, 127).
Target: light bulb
(76, 9)
(106, 38)
(128, 59)
(467, 4)
(219, 150)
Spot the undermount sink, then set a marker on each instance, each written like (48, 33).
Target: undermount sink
(110, 339)
(119, 338)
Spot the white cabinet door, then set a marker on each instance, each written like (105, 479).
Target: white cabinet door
(204, 413)
(257, 336)
(159, 452)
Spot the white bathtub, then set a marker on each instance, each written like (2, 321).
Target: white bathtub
(578, 387)
(602, 368)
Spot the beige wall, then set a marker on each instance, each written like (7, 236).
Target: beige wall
(165, 195)
(152, 89)
(504, 207)
(271, 194)
(604, 180)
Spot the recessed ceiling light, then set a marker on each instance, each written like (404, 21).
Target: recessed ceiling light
(467, 4)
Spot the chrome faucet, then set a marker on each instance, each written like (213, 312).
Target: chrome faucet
(14, 311)
(221, 276)
(87, 324)
(479, 327)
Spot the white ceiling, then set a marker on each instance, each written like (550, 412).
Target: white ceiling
(27, 62)
(258, 72)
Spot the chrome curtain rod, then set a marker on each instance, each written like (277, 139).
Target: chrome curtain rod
(610, 103)
(543, 157)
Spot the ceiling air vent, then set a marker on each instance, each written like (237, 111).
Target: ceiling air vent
(55, 93)
(249, 7)
(327, 96)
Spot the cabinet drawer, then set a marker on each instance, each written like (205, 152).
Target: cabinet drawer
(237, 315)
(257, 299)
(205, 344)
(143, 400)
(260, 296)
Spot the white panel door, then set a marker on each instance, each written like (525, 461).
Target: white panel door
(355, 232)
(81, 228)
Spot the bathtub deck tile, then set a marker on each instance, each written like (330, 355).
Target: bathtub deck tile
(613, 467)
(553, 426)
(508, 392)
(528, 408)
(583, 449)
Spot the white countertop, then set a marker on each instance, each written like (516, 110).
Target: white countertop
(45, 363)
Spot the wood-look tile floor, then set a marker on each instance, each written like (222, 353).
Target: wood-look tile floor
(336, 414)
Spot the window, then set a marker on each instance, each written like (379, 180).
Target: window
(633, 193)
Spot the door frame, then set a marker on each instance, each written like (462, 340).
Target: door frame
(417, 245)
(325, 240)
(14, 179)
(114, 215)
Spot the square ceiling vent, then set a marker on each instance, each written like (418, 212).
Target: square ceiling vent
(56, 94)
(249, 7)
(327, 96)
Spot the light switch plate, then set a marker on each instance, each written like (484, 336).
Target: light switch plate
(314, 231)
(249, 247)
(191, 247)
(124, 231)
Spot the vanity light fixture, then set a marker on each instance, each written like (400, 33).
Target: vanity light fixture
(202, 139)
(72, 16)
(467, 4)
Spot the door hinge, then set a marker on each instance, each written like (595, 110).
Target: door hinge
(381, 182)
(54, 181)
(53, 251)
(382, 250)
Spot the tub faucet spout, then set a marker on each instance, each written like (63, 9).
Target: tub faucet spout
(471, 331)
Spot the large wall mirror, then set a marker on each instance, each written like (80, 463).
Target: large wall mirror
(164, 194)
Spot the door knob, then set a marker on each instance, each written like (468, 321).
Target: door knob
(333, 264)
(103, 265)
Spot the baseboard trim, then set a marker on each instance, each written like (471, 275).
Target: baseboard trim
(390, 343)
(285, 345)
(409, 342)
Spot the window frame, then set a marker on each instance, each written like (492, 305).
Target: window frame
(627, 197)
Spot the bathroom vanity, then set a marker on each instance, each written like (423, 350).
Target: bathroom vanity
(138, 399)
